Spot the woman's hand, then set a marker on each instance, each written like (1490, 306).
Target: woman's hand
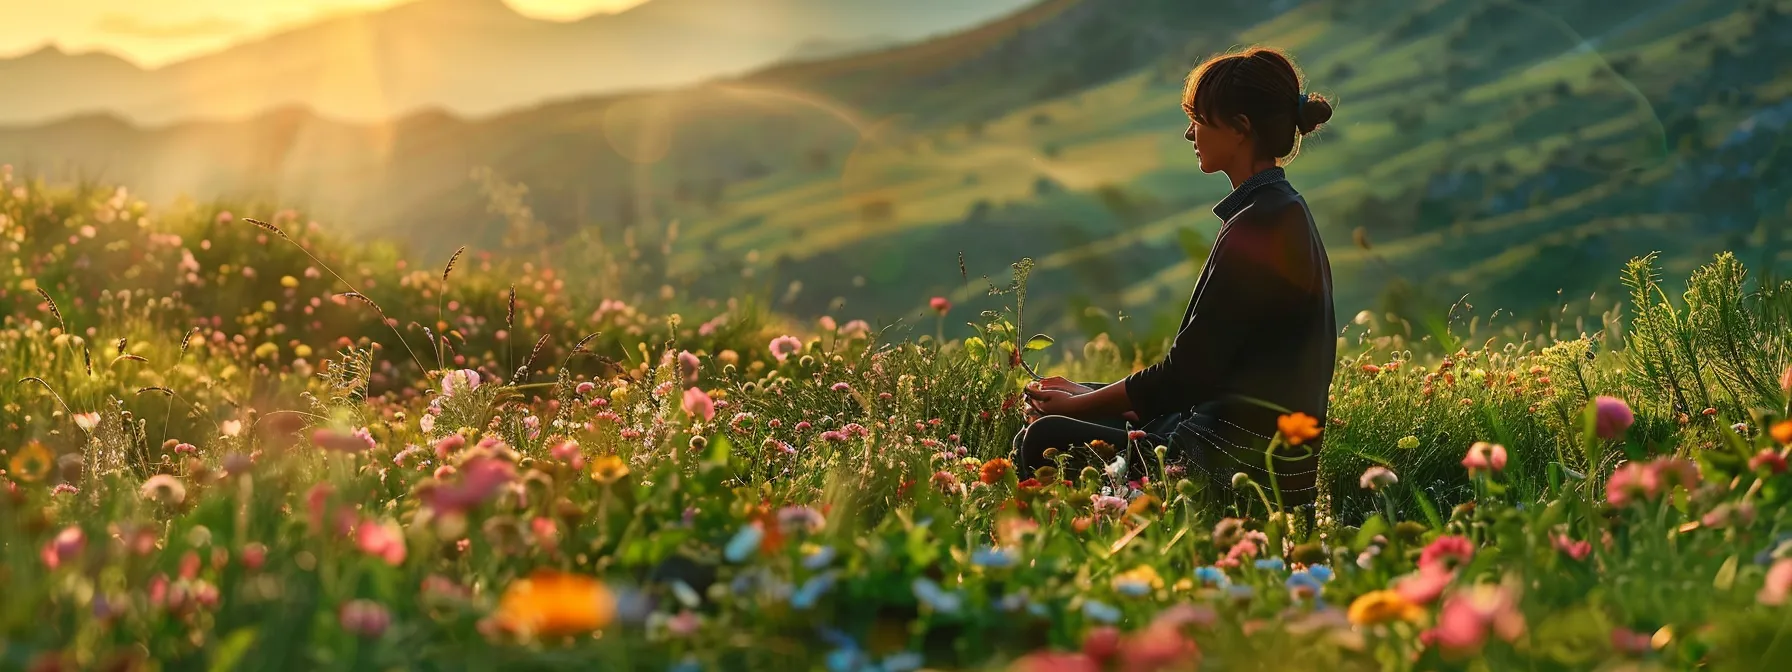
(1046, 401)
(1062, 383)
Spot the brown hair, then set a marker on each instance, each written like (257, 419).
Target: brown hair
(1261, 86)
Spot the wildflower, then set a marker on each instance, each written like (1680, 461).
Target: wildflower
(1629, 480)
(382, 539)
(1466, 618)
(608, 469)
(1228, 531)
(1672, 472)
(1382, 606)
(459, 382)
(253, 555)
(1135, 435)
(551, 603)
(818, 557)
(994, 471)
(567, 450)
(1107, 504)
(940, 305)
(1270, 564)
(164, 489)
(1484, 457)
(1740, 428)
(1407, 442)
(945, 481)
(340, 441)
(935, 597)
(1611, 416)
(427, 423)
(480, 479)
(1053, 661)
(1100, 612)
(87, 421)
(1425, 585)
(585, 388)
(1568, 546)
(64, 489)
(1159, 646)
(65, 547)
(841, 387)
(783, 347)
(31, 462)
(1138, 581)
(1298, 428)
(801, 518)
(1447, 553)
(1321, 572)
(745, 542)
(699, 404)
(1778, 585)
(1377, 477)
(1768, 459)
(1630, 642)
(1211, 576)
(1102, 642)
(996, 558)
(364, 618)
(185, 449)
(688, 366)
(448, 445)
(1303, 585)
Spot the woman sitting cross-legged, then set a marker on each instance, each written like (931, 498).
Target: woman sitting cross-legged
(1259, 338)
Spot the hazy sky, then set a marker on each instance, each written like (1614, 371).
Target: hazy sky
(153, 32)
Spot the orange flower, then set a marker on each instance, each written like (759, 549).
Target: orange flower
(31, 462)
(1382, 606)
(1782, 432)
(551, 603)
(608, 469)
(1298, 428)
(995, 470)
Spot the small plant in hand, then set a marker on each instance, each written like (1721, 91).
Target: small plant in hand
(272, 479)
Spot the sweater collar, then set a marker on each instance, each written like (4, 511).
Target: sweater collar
(1236, 201)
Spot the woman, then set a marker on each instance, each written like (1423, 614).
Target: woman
(1258, 340)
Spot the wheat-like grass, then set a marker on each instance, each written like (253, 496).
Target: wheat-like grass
(523, 370)
(356, 293)
(122, 341)
(54, 311)
(187, 339)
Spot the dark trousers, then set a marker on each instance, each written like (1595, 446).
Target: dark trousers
(1211, 443)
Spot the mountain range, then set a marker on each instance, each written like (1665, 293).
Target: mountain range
(468, 57)
(1514, 151)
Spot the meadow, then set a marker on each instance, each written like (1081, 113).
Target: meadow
(235, 441)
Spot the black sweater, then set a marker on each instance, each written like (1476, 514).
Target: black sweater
(1260, 324)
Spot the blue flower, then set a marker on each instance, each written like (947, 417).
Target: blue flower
(1212, 575)
(1271, 564)
(1321, 572)
(993, 557)
(906, 661)
(744, 544)
(1100, 611)
(939, 599)
(812, 590)
(632, 606)
(820, 558)
(845, 660)
(685, 594)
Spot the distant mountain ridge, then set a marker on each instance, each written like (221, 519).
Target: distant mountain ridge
(470, 57)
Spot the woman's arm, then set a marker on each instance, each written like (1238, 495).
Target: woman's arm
(1245, 289)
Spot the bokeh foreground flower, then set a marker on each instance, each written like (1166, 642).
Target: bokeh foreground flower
(552, 604)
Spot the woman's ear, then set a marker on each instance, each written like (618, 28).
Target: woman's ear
(1241, 124)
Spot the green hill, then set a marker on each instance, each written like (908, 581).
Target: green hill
(1502, 149)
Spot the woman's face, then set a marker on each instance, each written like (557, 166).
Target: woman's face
(1216, 145)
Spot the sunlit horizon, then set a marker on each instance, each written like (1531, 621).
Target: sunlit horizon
(181, 29)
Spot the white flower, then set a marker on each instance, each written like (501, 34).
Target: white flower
(87, 421)
(1378, 477)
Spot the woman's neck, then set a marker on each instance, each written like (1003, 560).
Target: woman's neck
(1238, 174)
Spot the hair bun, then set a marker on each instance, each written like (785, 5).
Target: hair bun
(1314, 112)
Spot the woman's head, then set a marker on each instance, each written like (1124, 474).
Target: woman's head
(1249, 108)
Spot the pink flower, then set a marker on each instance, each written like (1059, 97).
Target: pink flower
(459, 382)
(65, 547)
(783, 347)
(254, 555)
(827, 323)
(427, 423)
(940, 305)
(1485, 457)
(186, 449)
(364, 618)
(1052, 661)
(841, 386)
(698, 404)
(1425, 585)
(381, 539)
(480, 478)
(856, 329)
(1778, 585)
(448, 445)
(585, 388)
(1158, 647)
(341, 441)
(545, 531)
(1108, 505)
(688, 366)
(1630, 642)
(1573, 549)
(1446, 553)
(1135, 435)
(1630, 480)
(1672, 472)
(1768, 459)
(568, 451)
(1611, 416)
(1786, 380)
(1467, 618)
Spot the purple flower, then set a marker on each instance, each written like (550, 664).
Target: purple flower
(1611, 416)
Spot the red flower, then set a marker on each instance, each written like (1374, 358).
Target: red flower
(940, 305)
(1446, 553)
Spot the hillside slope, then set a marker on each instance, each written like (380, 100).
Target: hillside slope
(1501, 149)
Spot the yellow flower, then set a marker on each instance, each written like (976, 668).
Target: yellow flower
(1382, 606)
(608, 469)
(1138, 580)
(31, 462)
(619, 394)
(288, 281)
(551, 603)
